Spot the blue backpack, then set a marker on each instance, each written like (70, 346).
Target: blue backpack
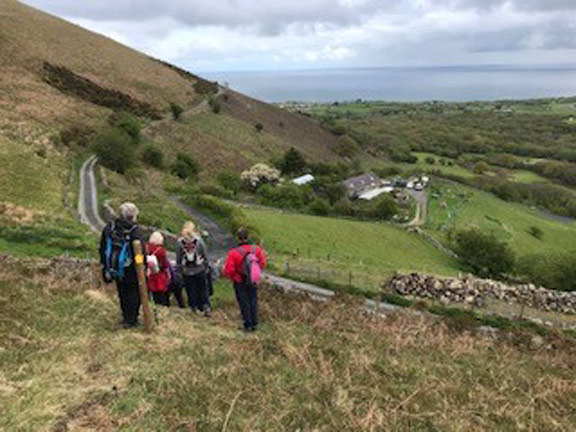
(118, 252)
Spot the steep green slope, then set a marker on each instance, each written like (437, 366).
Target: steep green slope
(313, 366)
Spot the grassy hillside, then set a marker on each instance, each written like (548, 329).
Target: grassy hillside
(332, 249)
(313, 366)
(454, 206)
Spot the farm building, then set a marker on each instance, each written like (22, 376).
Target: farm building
(304, 180)
(359, 185)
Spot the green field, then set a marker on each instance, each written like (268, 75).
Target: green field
(39, 185)
(455, 206)
(332, 248)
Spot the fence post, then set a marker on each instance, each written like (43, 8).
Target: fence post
(143, 286)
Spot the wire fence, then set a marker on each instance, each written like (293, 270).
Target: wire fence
(327, 274)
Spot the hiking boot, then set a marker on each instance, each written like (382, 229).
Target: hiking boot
(208, 313)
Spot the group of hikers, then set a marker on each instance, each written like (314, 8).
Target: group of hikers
(191, 271)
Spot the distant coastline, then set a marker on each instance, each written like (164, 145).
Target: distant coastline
(405, 84)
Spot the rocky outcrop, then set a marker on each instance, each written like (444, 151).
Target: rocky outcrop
(475, 291)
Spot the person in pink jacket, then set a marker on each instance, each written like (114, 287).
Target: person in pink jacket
(246, 289)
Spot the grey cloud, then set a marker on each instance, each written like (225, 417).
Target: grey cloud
(269, 15)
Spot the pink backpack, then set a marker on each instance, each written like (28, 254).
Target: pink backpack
(250, 270)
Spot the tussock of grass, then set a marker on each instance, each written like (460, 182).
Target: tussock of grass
(313, 366)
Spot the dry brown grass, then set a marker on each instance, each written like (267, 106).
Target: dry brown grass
(313, 366)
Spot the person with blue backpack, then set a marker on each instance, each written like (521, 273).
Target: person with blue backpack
(244, 266)
(117, 259)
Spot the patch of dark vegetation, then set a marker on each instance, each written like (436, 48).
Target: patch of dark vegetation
(76, 135)
(183, 73)
(205, 87)
(201, 86)
(72, 84)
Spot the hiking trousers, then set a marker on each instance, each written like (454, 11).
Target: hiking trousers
(176, 288)
(161, 298)
(129, 297)
(247, 297)
(197, 291)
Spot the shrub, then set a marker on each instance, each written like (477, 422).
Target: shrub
(214, 190)
(480, 167)
(320, 207)
(115, 149)
(259, 127)
(386, 208)
(215, 105)
(153, 156)
(231, 216)
(287, 196)
(484, 253)
(552, 270)
(260, 174)
(230, 181)
(430, 160)
(347, 147)
(128, 123)
(185, 167)
(293, 162)
(176, 110)
(536, 232)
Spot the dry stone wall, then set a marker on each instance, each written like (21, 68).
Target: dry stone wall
(475, 291)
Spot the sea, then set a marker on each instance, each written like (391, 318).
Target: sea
(406, 84)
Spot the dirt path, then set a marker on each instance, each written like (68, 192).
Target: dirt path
(421, 199)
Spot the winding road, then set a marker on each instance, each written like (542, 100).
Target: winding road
(88, 196)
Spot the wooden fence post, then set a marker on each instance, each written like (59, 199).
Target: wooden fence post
(143, 286)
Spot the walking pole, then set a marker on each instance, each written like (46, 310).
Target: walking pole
(143, 286)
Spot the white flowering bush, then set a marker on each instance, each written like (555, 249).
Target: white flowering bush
(260, 174)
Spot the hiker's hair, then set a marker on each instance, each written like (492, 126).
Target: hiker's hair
(189, 230)
(156, 238)
(129, 211)
(242, 234)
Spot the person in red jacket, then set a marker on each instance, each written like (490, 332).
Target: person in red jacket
(158, 269)
(246, 290)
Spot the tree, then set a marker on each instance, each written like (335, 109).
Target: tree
(230, 181)
(185, 167)
(176, 110)
(128, 123)
(153, 156)
(260, 174)
(386, 208)
(552, 270)
(480, 167)
(536, 232)
(484, 253)
(115, 149)
(293, 162)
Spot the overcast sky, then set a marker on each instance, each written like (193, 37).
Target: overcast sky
(221, 35)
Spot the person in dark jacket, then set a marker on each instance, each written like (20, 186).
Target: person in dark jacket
(176, 284)
(192, 263)
(120, 267)
(246, 291)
